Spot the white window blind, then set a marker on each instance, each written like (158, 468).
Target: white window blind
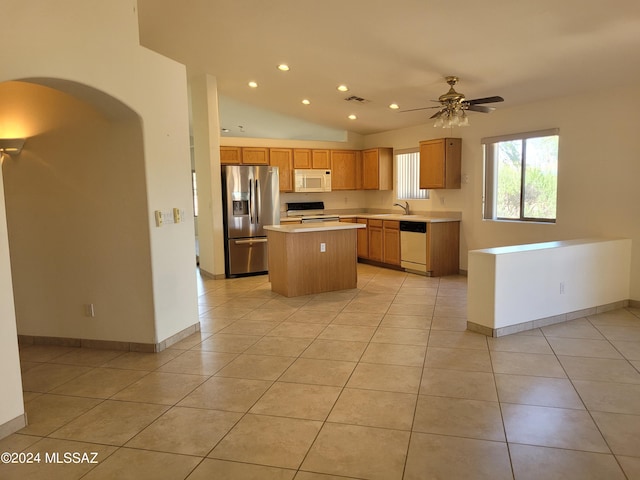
(408, 177)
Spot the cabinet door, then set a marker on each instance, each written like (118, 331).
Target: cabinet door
(440, 163)
(255, 156)
(363, 239)
(321, 159)
(376, 240)
(283, 159)
(343, 169)
(230, 155)
(391, 241)
(302, 158)
(370, 171)
(432, 164)
(377, 169)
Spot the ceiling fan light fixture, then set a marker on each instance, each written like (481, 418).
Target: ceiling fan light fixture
(253, 84)
(343, 88)
(394, 106)
(283, 67)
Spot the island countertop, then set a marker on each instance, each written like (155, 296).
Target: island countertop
(313, 227)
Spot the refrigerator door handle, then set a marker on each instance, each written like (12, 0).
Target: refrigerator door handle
(251, 202)
(258, 201)
(250, 242)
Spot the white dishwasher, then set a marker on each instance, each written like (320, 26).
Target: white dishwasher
(413, 246)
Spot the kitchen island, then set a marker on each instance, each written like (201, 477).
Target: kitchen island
(309, 258)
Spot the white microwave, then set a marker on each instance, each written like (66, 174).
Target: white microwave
(307, 180)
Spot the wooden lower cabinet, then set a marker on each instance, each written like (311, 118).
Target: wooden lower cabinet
(443, 248)
(391, 242)
(363, 239)
(375, 239)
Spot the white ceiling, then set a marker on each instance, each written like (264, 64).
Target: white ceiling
(392, 51)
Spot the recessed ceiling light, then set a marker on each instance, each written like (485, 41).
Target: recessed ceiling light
(283, 67)
(253, 84)
(352, 117)
(394, 106)
(225, 130)
(306, 101)
(343, 88)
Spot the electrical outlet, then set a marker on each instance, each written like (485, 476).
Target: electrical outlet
(323, 247)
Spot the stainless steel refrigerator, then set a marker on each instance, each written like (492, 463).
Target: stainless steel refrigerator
(250, 200)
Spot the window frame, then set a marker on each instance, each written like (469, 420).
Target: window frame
(399, 176)
(489, 206)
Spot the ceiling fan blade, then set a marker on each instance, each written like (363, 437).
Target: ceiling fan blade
(416, 109)
(480, 108)
(435, 115)
(475, 101)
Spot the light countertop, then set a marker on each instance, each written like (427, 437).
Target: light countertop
(313, 227)
(385, 216)
(401, 217)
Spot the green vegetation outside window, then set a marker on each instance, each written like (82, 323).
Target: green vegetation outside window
(521, 176)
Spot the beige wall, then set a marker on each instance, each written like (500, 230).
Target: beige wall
(11, 406)
(90, 49)
(599, 167)
(76, 212)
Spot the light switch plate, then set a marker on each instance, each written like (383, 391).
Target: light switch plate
(159, 221)
(177, 217)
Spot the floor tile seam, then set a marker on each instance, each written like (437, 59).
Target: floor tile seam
(242, 416)
(504, 428)
(146, 449)
(554, 407)
(342, 388)
(566, 449)
(496, 402)
(501, 442)
(415, 406)
(64, 382)
(101, 401)
(627, 362)
(589, 412)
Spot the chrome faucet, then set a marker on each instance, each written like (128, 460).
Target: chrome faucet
(404, 207)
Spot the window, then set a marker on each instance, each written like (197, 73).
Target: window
(408, 167)
(521, 176)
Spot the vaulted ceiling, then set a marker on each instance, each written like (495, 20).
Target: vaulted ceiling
(391, 52)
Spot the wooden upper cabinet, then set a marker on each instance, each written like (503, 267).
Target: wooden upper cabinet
(230, 155)
(302, 158)
(255, 155)
(311, 158)
(344, 167)
(244, 155)
(321, 159)
(283, 159)
(441, 163)
(377, 169)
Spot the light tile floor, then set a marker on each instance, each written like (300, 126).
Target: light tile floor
(382, 382)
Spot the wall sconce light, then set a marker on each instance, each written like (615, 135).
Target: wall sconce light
(11, 146)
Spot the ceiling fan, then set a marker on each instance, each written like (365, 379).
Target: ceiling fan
(453, 106)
